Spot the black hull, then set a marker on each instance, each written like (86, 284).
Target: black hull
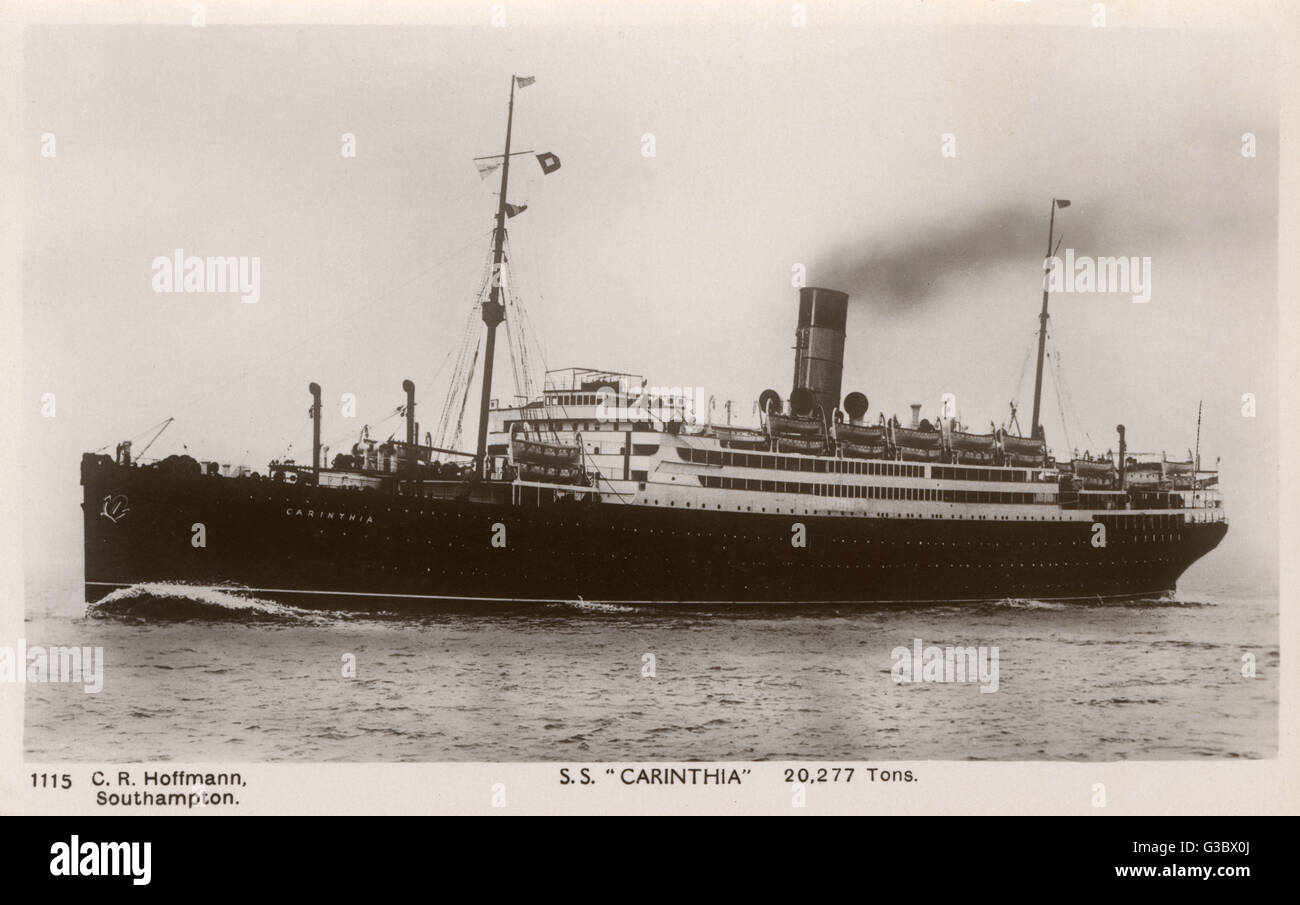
(366, 550)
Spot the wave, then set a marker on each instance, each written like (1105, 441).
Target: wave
(1174, 601)
(595, 606)
(169, 601)
(1022, 603)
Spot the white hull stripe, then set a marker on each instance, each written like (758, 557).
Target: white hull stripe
(239, 590)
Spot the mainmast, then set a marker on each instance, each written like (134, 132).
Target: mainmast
(1034, 426)
(493, 309)
(1196, 459)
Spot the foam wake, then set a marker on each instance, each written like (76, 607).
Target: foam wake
(1022, 603)
(169, 601)
(594, 606)
(1167, 600)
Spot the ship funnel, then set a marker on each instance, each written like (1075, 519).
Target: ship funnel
(916, 415)
(819, 345)
(314, 389)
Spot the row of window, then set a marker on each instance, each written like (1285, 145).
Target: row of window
(573, 399)
(861, 491)
(810, 464)
(638, 449)
(575, 425)
(1142, 522)
(951, 473)
(800, 463)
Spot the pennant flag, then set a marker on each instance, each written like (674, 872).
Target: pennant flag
(486, 166)
(550, 163)
(523, 81)
(1062, 203)
(513, 209)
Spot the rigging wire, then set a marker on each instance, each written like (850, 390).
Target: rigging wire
(523, 336)
(455, 440)
(433, 378)
(1060, 407)
(519, 337)
(1020, 381)
(164, 427)
(354, 311)
(351, 432)
(296, 437)
(457, 385)
(1072, 408)
(462, 371)
(158, 427)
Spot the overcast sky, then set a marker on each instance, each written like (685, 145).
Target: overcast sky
(773, 147)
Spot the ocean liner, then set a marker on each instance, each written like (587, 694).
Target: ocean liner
(601, 488)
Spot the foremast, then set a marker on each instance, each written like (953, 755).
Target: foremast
(493, 309)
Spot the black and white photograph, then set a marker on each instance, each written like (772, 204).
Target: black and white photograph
(678, 388)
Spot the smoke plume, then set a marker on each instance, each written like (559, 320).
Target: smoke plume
(911, 263)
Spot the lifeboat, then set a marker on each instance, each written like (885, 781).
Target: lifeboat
(1022, 452)
(1182, 474)
(918, 444)
(1144, 474)
(1093, 474)
(815, 447)
(795, 433)
(862, 441)
(540, 452)
(980, 449)
(740, 437)
(549, 463)
(795, 426)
